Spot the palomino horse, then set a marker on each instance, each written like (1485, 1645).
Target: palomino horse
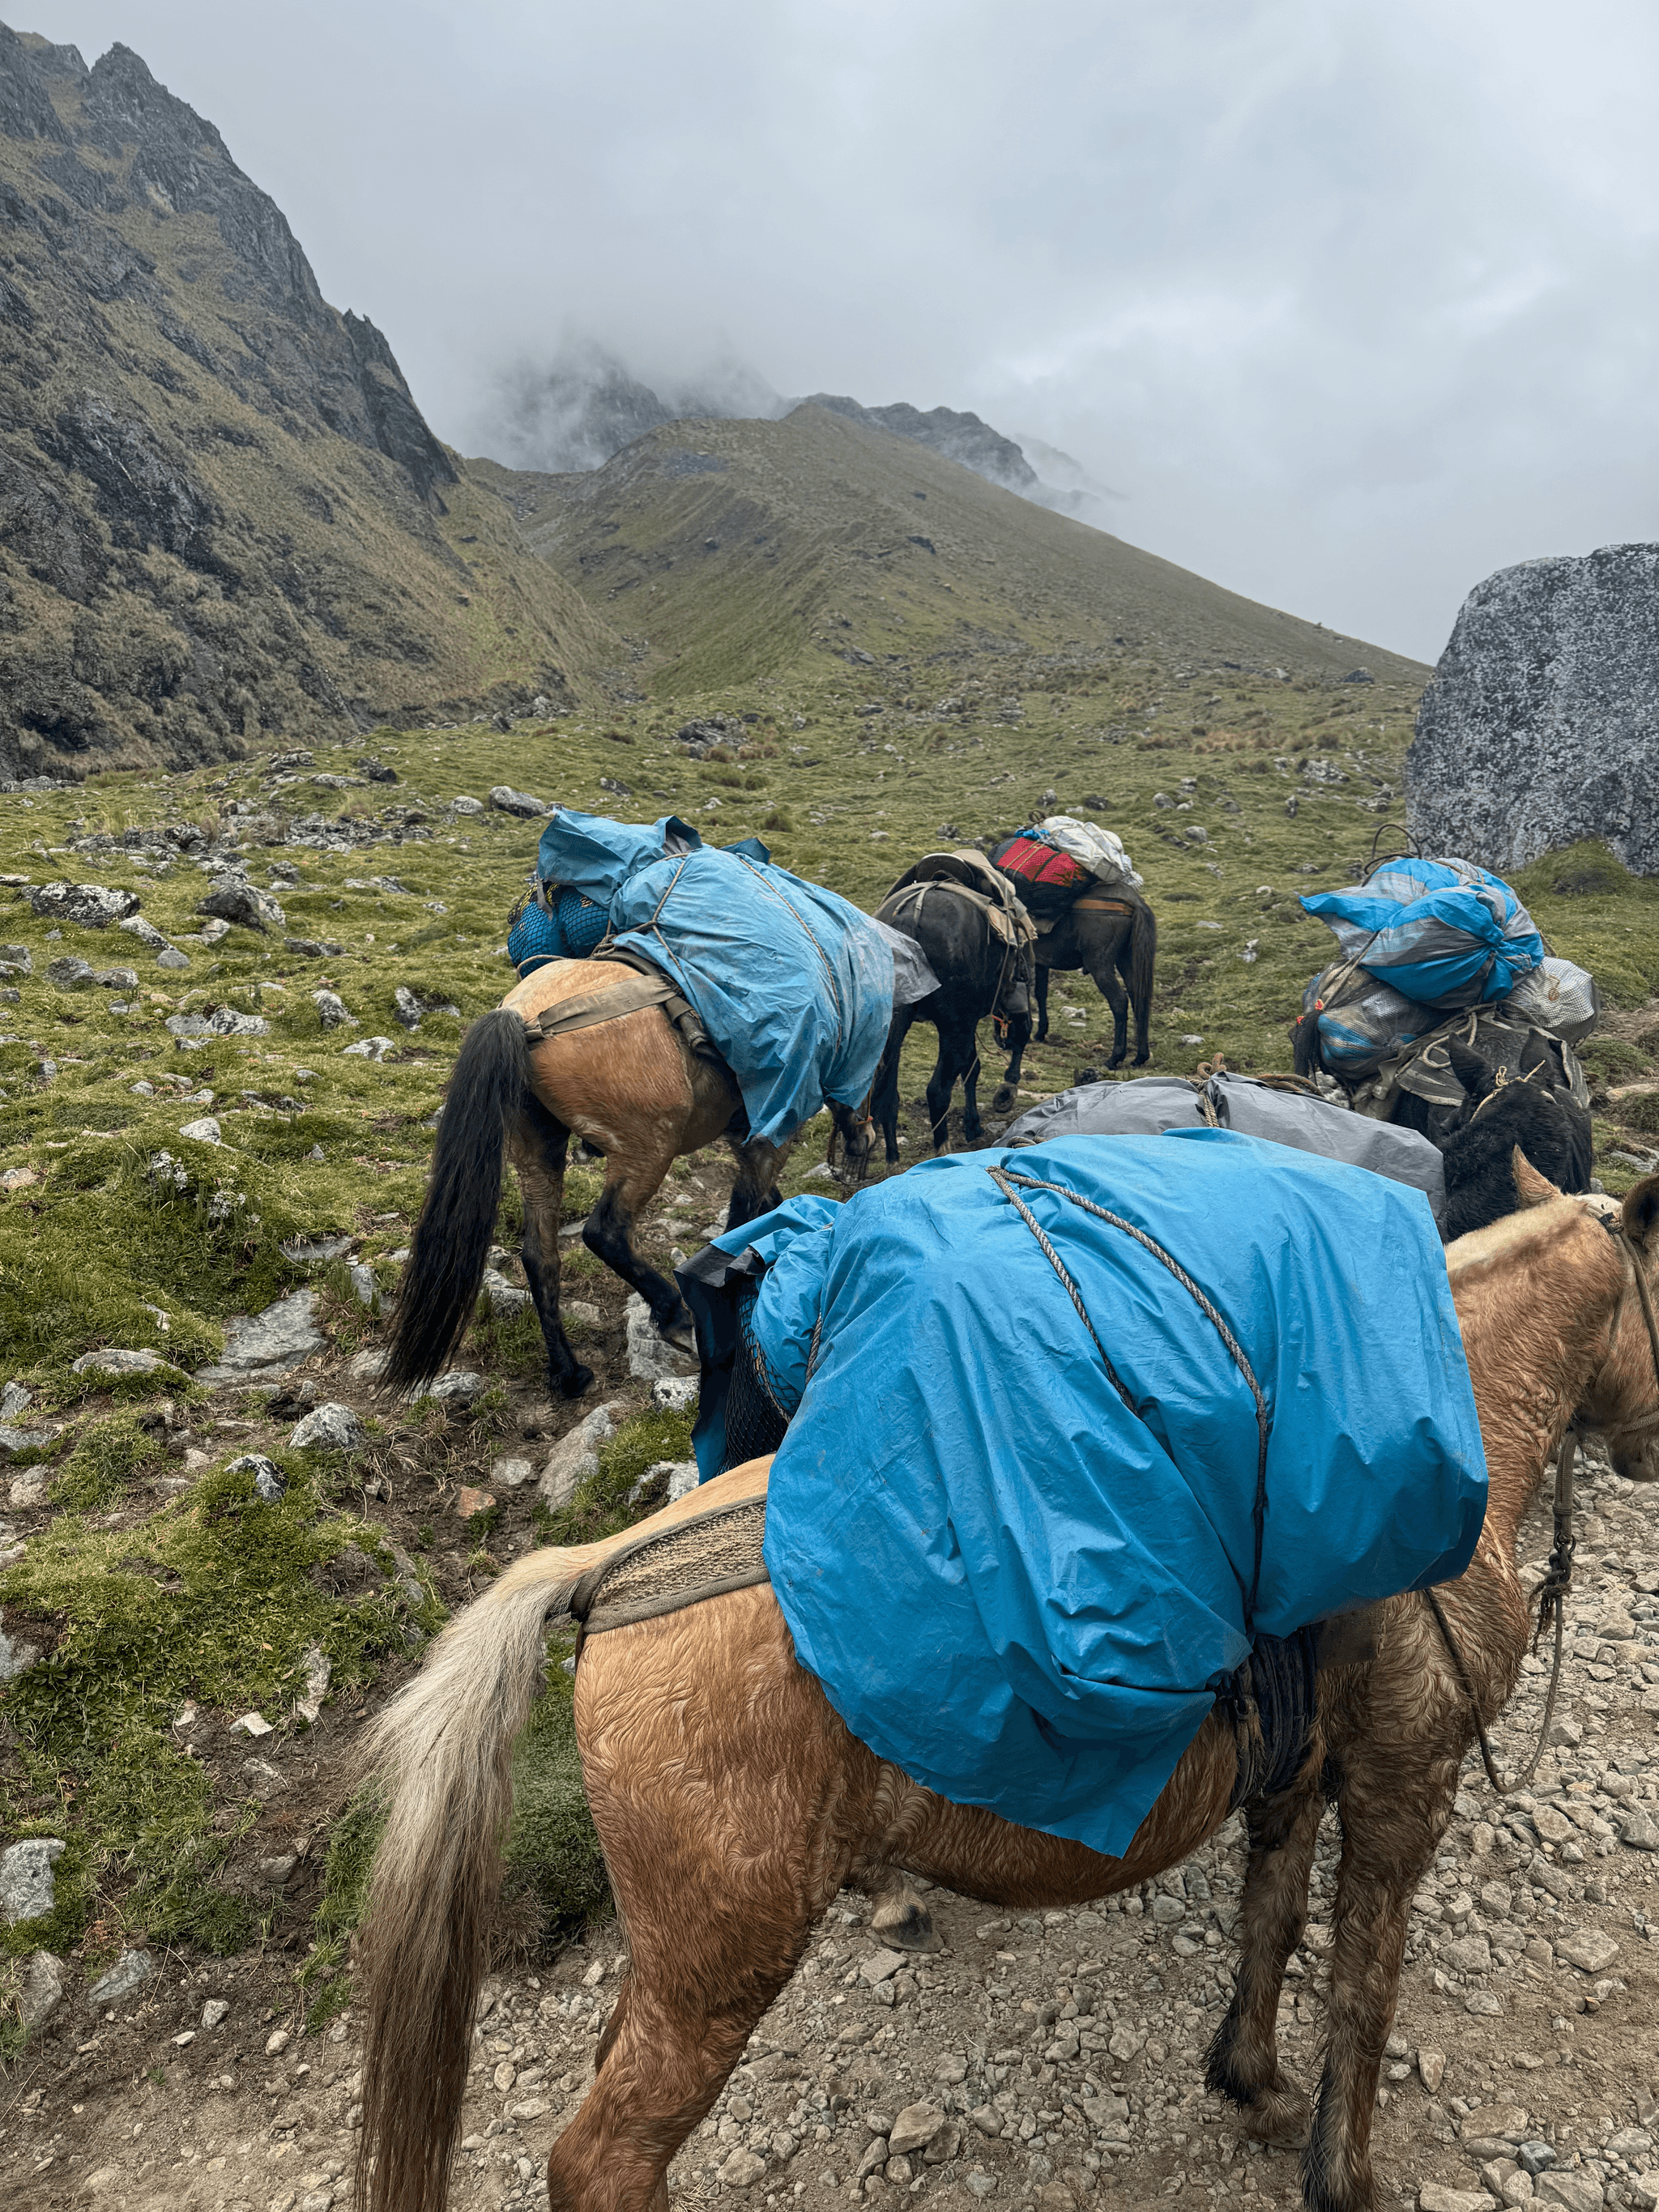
(637, 1091)
(732, 1802)
(974, 968)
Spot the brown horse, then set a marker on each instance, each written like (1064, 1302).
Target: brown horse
(1115, 937)
(732, 1802)
(637, 1091)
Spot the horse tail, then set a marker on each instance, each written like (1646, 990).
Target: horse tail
(441, 1284)
(1143, 958)
(444, 1751)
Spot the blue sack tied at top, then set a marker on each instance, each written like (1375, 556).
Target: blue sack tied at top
(793, 984)
(1018, 1588)
(1443, 933)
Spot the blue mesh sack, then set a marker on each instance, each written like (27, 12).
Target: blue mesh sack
(569, 932)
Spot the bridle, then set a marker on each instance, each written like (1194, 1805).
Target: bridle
(1550, 1597)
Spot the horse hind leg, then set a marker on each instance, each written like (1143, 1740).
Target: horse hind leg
(1242, 2061)
(1110, 985)
(539, 1146)
(630, 1184)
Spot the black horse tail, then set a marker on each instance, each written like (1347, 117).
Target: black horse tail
(441, 1284)
(1143, 958)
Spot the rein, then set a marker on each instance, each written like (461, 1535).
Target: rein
(1550, 1597)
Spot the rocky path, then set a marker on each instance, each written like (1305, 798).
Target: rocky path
(1048, 2056)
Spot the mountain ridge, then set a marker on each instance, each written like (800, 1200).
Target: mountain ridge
(221, 511)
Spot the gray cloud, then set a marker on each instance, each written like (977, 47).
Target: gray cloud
(1349, 303)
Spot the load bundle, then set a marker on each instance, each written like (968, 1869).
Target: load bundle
(794, 985)
(1431, 949)
(1033, 1502)
(1055, 859)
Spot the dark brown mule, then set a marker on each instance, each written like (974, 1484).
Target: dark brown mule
(732, 1803)
(1114, 936)
(636, 1090)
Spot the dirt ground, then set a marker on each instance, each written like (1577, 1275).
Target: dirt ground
(1062, 2052)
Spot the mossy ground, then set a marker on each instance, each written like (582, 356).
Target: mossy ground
(848, 772)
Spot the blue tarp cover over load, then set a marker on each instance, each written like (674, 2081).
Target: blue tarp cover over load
(1443, 931)
(793, 984)
(1019, 1590)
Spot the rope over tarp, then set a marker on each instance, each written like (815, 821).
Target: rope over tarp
(1025, 1585)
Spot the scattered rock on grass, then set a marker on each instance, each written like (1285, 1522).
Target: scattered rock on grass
(504, 1297)
(511, 1473)
(314, 1253)
(374, 1047)
(203, 1131)
(92, 906)
(470, 1502)
(651, 1358)
(268, 1478)
(243, 902)
(69, 974)
(114, 1361)
(27, 1884)
(131, 1968)
(676, 1394)
(331, 1427)
(41, 1988)
(332, 1011)
(16, 1658)
(268, 1342)
(506, 800)
(465, 805)
(576, 1456)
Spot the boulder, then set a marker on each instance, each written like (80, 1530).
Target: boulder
(374, 1047)
(244, 902)
(332, 1011)
(145, 932)
(465, 805)
(91, 906)
(69, 974)
(1542, 724)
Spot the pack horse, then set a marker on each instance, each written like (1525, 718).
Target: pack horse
(733, 1799)
(729, 999)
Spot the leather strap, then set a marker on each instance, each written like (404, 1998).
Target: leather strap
(1101, 906)
(629, 996)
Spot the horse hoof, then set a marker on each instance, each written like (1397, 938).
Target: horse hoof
(1002, 1098)
(679, 1331)
(1141, 1059)
(913, 1929)
(572, 1385)
(1279, 2115)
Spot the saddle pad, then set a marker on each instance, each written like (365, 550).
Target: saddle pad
(683, 1565)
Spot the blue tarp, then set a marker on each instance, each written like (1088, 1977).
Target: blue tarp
(1019, 1590)
(1442, 932)
(793, 984)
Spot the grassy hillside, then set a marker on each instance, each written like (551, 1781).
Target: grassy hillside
(739, 550)
(222, 518)
(157, 1582)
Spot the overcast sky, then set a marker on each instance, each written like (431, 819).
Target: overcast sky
(1351, 304)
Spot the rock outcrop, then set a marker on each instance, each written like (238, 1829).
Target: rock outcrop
(222, 512)
(1541, 725)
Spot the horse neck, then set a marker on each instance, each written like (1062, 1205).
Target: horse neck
(1536, 1295)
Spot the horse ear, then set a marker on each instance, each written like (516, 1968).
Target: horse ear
(1640, 1212)
(1471, 1071)
(1532, 1189)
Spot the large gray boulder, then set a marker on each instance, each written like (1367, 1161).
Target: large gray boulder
(1542, 724)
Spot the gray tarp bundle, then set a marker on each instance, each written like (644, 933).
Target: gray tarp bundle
(1152, 1104)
